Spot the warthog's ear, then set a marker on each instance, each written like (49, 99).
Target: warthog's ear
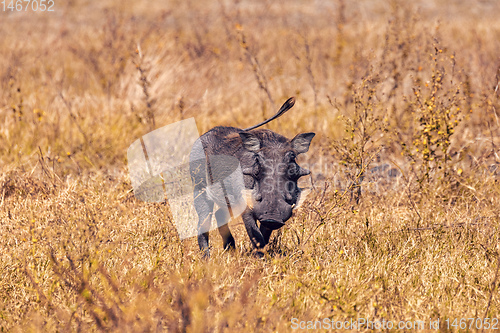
(250, 141)
(302, 141)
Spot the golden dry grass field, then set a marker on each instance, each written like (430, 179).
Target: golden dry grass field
(402, 222)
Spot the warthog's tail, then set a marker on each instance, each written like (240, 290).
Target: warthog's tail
(284, 108)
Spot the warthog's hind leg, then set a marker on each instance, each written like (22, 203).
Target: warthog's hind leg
(204, 207)
(222, 217)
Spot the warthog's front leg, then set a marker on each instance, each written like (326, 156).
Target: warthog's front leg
(266, 233)
(253, 231)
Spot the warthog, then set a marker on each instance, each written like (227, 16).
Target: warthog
(255, 171)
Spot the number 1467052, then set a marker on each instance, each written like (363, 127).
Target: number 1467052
(28, 5)
(473, 323)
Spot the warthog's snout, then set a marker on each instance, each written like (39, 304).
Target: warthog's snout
(272, 224)
(275, 209)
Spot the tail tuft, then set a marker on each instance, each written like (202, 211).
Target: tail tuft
(284, 108)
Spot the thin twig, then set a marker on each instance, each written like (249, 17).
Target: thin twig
(73, 117)
(409, 191)
(145, 84)
(494, 284)
(260, 77)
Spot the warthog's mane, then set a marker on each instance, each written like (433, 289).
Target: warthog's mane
(267, 137)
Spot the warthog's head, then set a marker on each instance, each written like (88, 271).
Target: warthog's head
(271, 171)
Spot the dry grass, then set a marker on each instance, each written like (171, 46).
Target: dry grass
(403, 223)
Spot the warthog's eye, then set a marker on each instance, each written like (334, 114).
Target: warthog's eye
(293, 171)
(290, 157)
(255, 170)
